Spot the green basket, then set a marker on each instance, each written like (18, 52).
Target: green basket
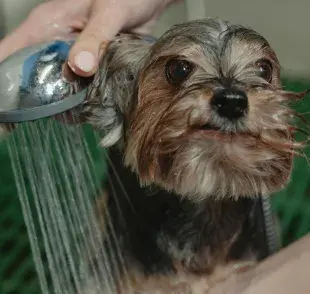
(17, 270)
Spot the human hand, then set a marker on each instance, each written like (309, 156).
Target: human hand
(107, 18)
(46, 22)
(93, 22)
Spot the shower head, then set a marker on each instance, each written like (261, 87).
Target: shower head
(32, 84)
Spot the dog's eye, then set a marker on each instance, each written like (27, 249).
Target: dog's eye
(177, 71)
(264, 68)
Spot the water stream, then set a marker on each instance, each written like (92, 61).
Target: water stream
(58, 187)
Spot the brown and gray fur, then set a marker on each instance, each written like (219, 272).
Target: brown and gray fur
(191, 190)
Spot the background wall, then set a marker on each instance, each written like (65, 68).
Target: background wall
(283, 22)
(13, 12)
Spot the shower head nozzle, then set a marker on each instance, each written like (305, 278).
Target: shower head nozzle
(33, 86)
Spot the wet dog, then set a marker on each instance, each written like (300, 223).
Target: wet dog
(198, 127)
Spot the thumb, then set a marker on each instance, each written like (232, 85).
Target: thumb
(106, 20)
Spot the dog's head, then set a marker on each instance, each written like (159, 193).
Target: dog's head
(209, 116)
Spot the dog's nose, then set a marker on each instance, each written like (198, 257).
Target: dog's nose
(230, 103)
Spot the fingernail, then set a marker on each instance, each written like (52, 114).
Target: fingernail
(85, 61)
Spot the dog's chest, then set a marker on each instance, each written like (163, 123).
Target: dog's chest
(161, 231)
(200, 236)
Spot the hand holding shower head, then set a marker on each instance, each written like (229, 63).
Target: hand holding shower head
(33, 84)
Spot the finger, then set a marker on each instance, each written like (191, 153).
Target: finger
(106, 20)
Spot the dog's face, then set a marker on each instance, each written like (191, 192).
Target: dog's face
(211, 118)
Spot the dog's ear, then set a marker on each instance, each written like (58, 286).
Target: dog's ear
(112, 94)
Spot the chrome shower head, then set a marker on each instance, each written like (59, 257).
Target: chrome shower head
(33, 86)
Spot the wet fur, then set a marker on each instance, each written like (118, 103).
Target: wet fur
(191, 194)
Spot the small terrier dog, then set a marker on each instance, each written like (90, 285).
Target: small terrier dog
(198, 127)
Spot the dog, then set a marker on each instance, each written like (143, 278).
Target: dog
(197, 128)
